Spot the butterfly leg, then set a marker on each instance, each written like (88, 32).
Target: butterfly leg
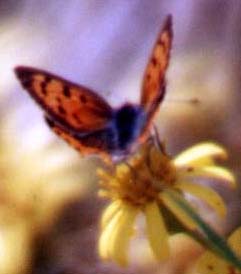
(156, 137)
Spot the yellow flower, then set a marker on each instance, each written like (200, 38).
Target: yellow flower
(209, 263)
(143, 184)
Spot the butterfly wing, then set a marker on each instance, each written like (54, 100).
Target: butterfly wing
(71, 105)
(98, 142)
(153, 86)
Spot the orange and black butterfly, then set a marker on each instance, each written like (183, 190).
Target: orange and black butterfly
(85, 120)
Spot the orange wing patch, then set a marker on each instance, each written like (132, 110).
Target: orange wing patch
(84, 146)
(153, 87)
(72, 105)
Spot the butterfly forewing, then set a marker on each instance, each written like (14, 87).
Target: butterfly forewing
(153, 86)
(71, 105)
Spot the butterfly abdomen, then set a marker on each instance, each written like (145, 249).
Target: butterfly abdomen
(129, 120)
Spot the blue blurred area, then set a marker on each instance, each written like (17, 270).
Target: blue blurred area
(99, 43)
(105, 44)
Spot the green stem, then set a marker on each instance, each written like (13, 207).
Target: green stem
(205, 234)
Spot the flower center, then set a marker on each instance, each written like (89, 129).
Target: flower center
(141, 179)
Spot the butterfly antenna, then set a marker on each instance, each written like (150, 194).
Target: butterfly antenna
(157, 140)
(192, 101)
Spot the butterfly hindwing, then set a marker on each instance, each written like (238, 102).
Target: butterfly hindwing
(153, 86)
(70, 104)
(98, 142)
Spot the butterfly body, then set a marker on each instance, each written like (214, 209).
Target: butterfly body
(118, 135)
(128, 122)
(85, 120)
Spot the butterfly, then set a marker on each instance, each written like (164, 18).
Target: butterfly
(85, 120)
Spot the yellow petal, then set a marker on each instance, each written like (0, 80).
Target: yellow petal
(109, 212)
(208, 195)
(106, 236)
(103, 174)
(200, 155)
(177, 211)
(104, 193)
(212, 264)
(209, 263)
(121, 235)
(235, 241)
(156, 231)
(213, 172)
(123, 172)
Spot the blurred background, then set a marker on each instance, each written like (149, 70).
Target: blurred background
(49, 206)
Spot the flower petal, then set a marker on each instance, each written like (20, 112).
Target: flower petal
(235, 241)
(200, 155)
(177, 211)
(209, 263)
(205, 193)
(212, 264)
(212, 172)
(156, 231)
(109, 212)
(122, 233)
(103, 174)
(106, 236)
(123, 172)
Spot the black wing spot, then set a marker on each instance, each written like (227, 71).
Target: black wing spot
(160, 42)
(58, 99)
(47, 79)
(43, 88)
(154, 61)
(66, 91)
(83, 99)
(61, 110)
(76, 117)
